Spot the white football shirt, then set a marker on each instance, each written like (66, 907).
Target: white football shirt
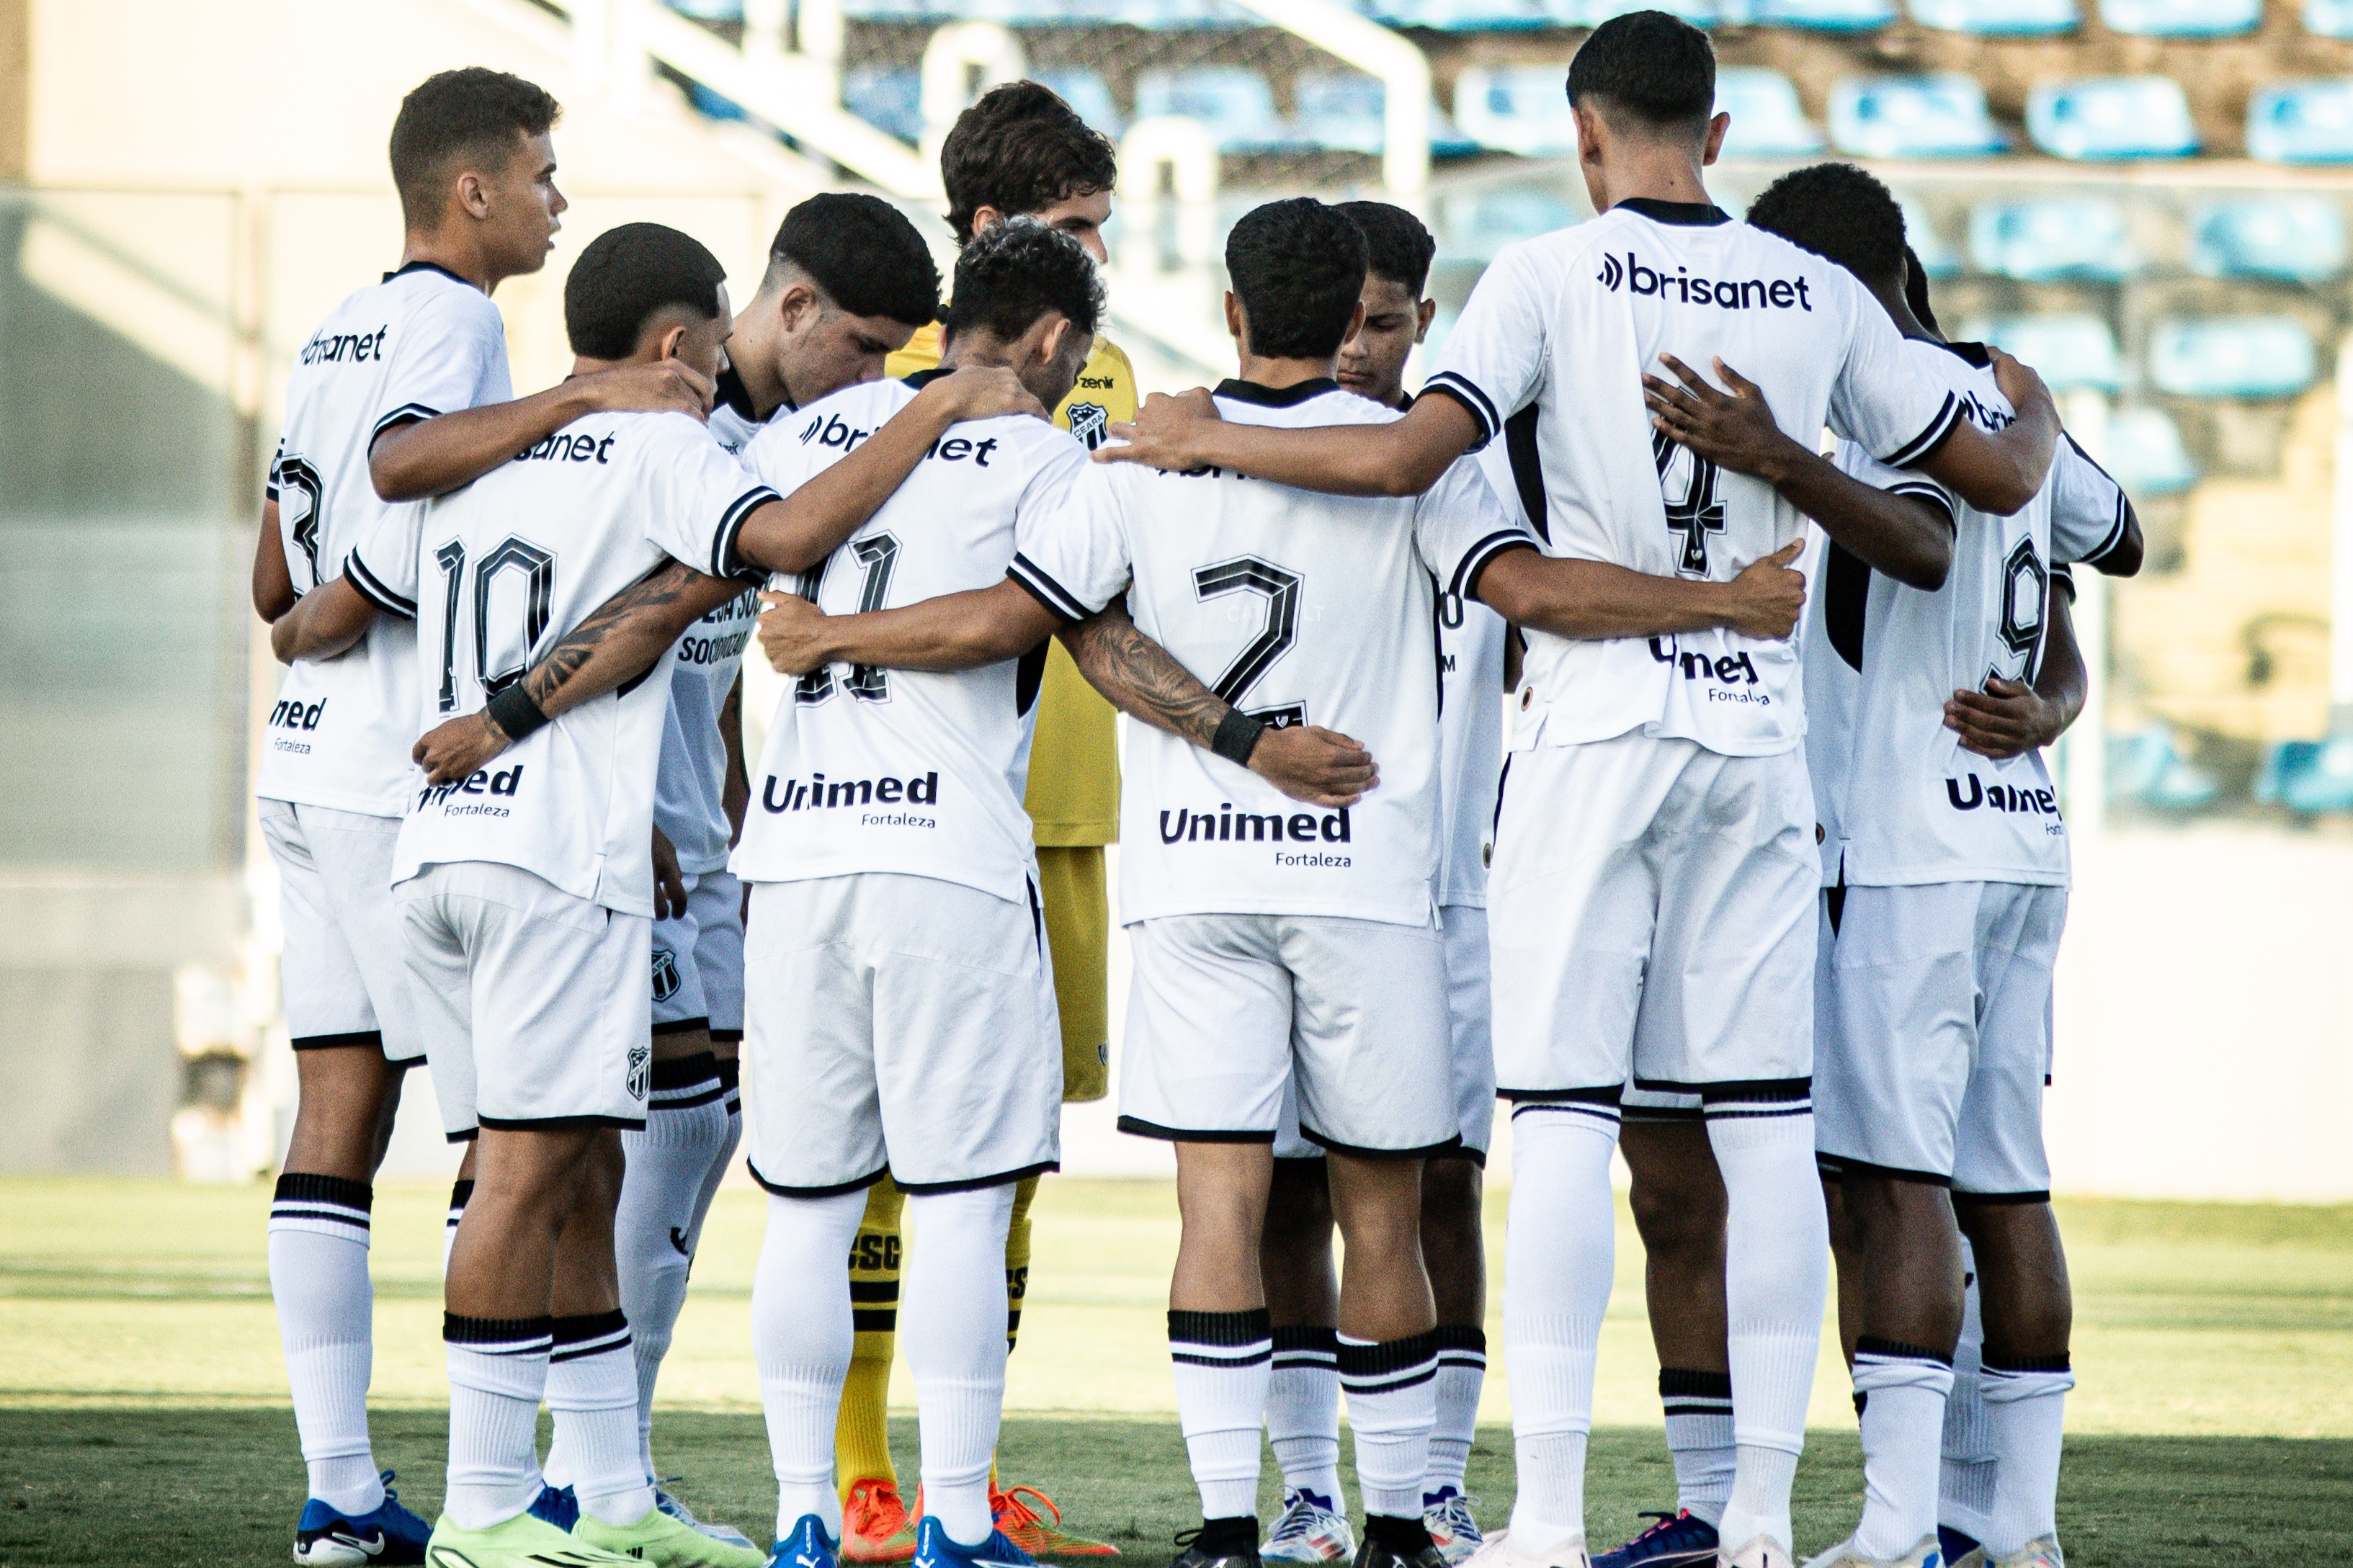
(1297, 609)
(502, 570)
(893, 770)
(1566, 325)
(1470, 720)
(1898, 800)
(423, 341)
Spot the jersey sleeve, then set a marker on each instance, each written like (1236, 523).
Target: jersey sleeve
(1070, 551)
(1858, 464)
(381, 567)
(1460, 525)
(452, 354)
(1881, 400)
(1492, 362)
(699, 496)
(2090, 514)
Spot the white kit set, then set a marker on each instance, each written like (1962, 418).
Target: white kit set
(1935, 977)
(1654, 869)
(334, 774)
(1272, 941)
(525, 893)
(897, 966)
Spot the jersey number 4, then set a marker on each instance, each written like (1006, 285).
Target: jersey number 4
(877, 554)
(537, 569)
(1249, 574)
(1698, 511)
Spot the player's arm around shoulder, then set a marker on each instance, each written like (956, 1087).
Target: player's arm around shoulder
(1403, 457)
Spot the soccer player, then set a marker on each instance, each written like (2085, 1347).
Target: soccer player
(1295, 1258)
(381, 383)
(1945, 868)
(1658, 822)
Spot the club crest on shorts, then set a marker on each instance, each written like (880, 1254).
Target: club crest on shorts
(1091, 422)
(641, 1070)
(665, 975)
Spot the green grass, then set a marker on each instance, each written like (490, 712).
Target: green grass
(143, 1414)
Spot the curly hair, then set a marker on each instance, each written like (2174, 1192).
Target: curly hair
(1017, 271)
(1022, 150)
(1298, 268)
(1838, 213)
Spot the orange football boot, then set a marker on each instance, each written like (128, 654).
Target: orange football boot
(875, 1527)
(1024, 1527)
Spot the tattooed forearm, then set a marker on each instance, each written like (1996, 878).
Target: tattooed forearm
(622, 637)
(1141, 678)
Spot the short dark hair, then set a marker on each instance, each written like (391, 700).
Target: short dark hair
(1915, 292)
(1020, 150)
(1298, 268)
(454, 116)
(1396, 246)
(1014, 273)
(1840, 213)
(863, 253)
(1656, 68)
(627, 276)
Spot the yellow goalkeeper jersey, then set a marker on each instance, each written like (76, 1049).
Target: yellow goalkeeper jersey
(1074, 764)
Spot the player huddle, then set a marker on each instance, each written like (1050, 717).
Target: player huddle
(1768, 895)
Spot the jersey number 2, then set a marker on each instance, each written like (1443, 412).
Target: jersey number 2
(537, 568)
(1249, 574)
(879, 554)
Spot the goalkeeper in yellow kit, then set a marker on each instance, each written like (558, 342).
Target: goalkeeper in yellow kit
(1020, 152)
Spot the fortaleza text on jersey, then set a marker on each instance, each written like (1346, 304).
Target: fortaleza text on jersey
(1228, 825)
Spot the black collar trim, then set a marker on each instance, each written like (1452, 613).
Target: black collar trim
(924, 378)
(1290, 396)
(1690, 215)
(426, 267)
(1976, 354)
(732, 393)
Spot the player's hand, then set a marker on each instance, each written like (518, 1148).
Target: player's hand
(459, 748)
(669, 883)
(664, 386)
(1311, 764)
(792, 634)
(984, 392)
(1733, 429)
(2019, 382)
(1161, 432)
(1767, 597)
(2007, 719)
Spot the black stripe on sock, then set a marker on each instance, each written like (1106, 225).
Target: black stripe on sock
(1896, 1350)
(731, 1069)
(874, 1290)
(1682, 1381)
(686, 1072)
(1460, 1337)
(308, 1186)
(571, 1331)
(332, 1216)
(2028, 1363)
(1236, 1328)
(461, 1193)
(1415, 1353)
(1307, 1339)
(874, 1321)
(1241, 1359)
(1748, 1090)
(686, 1101)
(497, 1334)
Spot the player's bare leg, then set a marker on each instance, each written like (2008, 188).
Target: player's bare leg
(1221, 1341)
(1302, 1407)
(593, 1344)
(1846, 1252)
(1387, 1350)
(2027, 1308)
(1454, 1255)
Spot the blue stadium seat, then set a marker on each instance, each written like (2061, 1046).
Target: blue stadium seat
(1593, 13)
(1939, 116)
(2111, 117)
(1938, 259)
(2068, 350)
(2145, 455)
(1234, 101)
(708, 10)
(1085, 90)
(2041, 241)
(2291, 239)
(1475, 227)
(1464, 15)
(2309, 777)
(2148, 770)
(2182, 18)
(2301, 122)
(2328, 18)
(2232, 356)
(895, 11)
(1996, 18)
(1822, 16)
(1516, 109)
(711, 103)
(888, 99)
(1767, 120)
(1341, 111)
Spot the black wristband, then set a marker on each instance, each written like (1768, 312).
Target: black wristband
(514, 712)
(1236, 737)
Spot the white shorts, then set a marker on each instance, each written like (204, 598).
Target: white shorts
(1225, 1012)
(716, 907)
(1936, 1006)
(900, 1026)
(533, 1001)
(1653, 920)
(343, 980)
(1471, 1021)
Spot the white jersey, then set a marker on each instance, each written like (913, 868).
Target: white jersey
(1297, 609)
(904, 771)
(502, 570)
(732, 421)
(1470, 721)
(1898, 800)
(422, 341)
(1565, 325)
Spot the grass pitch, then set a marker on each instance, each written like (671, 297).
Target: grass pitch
(143, 1419)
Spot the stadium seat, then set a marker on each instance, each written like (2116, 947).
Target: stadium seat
(1938, 259)
(708, 10)
(2301, 122)
(2293, 240)
(2144, 453)
(1085, 90)
(1341, 111)
(2148, 770)
(1464, 15)
(708, 102)
(2308, 777)
(888, 98)
(1593, 13)
(1821, 15)
(1475, 227)
(1767, 120)
(1939, 116)
(2042, 241)
(2111, 117)
(2182, 18)
(2328, 18)
(1233, 101)
(2232, 356)
(1516, 109)
(1996, 18)
(2068, 350)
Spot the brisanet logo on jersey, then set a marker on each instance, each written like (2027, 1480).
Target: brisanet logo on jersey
(1682, 289)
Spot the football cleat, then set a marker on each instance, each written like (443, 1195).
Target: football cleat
(935, 1548)
(685, 1515)
(666, 1540)
(1678, 1540)
(1758, 1552)
(1924, 1554)
(1498, 1552)
(1022, 1525)
(1219, 1543)
(807, 1546)
(875, 1527)
(559, 1506)
(526, 1540)
(2042, 1552)
(1311, 1530)
(1959, 1550)
(1453, 1529)
(1377, 1552)
(326, 1537)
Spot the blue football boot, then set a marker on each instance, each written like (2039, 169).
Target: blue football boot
(935, 1548)
(1679, 1539)
(326, 1537)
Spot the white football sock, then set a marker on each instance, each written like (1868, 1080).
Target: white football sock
(952, 1308)
(592, 1390)
(723, 1155)
(326, 1316)
(1223, 1362)
(654, 1225)
(1559, 1258)
(1699, 1437)
(1392, 1404)
(461, 1193)
(2026, 1408)
(1776, 1280)
(497, 1371)
(801, 1339)
(1902, 1389)
(1965, 1484)
(1303, 1410)
(1462, 1374)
